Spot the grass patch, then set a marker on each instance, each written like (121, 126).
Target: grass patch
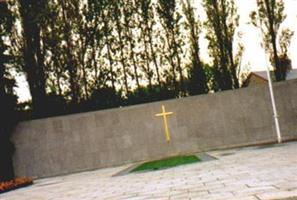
(166, 163)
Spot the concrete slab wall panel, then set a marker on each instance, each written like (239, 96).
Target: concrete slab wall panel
(74, 143)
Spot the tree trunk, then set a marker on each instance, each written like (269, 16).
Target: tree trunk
(32, 54)
(110, 59)
(179, 67)
(6, 151)
(148, 65)
(171, 61)
(120, 40)
(153, 53)
(83, 67)
(129, 36)
(6, 147)
(71, 64)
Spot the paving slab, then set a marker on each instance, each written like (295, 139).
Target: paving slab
(254, 173)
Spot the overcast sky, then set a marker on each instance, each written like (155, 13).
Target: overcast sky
(253, 57)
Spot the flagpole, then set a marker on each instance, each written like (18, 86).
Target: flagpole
(275, 113)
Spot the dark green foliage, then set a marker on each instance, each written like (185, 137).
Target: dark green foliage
(56, 104)
(166, 163)
(195, 85)
(145, 95)
(105, 98)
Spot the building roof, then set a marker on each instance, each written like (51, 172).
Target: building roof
(292, 74)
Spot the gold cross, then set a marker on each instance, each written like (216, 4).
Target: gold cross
(164, 114)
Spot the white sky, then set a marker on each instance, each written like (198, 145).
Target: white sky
(254, 55)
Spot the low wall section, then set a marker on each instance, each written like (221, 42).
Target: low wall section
(87, 141)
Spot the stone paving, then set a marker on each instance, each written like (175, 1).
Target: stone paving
(243, 174)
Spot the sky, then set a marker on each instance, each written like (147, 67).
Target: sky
(254, 57)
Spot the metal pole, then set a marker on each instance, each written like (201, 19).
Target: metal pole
(275, 114)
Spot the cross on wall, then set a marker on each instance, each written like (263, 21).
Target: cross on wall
(164, 114)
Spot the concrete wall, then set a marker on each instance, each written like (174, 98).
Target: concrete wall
(73, 143)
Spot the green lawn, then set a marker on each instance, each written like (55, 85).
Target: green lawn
(166, 163)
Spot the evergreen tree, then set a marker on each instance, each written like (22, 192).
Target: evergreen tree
(221, 24)
(197, 76)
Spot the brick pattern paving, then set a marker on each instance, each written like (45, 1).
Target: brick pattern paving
(250, 174)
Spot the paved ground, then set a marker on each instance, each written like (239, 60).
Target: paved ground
(246, 174)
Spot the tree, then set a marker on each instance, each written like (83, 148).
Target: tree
(69, 11)
(169, 19)
(84, 39)
(221, 24)
(8, 122)
(269, 17)
(53, 33)
(284, 42)
(130, 23)
(108, 40)
(198, 82)
(7, 98)
(31, 12)
(117, 16)
(146, 25)
(94, 31)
